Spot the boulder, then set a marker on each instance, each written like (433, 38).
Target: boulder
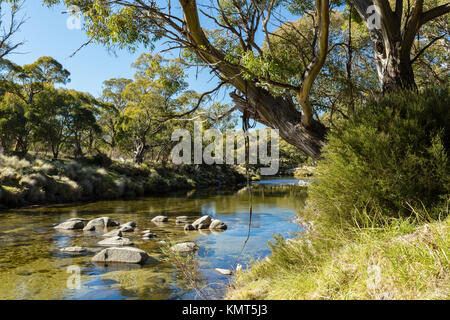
(149, 236)
(73, 250)
(116, 241)
(218, 225)
(182, 220)
(71, 225)
(78, 219)
(189, 227)
(160, 219)
(225, 272)
(131, 224)
(121, 255)
(100, 223)
(126, 228)
(184, 247)
(202, 223)
(113, 233)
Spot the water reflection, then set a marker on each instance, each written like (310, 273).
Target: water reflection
(32, 266)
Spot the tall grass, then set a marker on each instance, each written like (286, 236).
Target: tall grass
(406, 258)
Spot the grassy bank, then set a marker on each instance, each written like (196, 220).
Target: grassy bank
(404, 259)
(37, 181)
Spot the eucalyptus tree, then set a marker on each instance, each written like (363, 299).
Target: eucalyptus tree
(29, 80)
(112, 109)
(151, 100)
(232, 50)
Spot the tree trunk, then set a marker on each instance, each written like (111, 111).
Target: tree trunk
(278, 113)
(394, 68)
(139, 153)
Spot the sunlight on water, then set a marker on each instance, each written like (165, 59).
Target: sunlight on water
(32, 267)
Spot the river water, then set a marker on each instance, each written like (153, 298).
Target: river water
(32, 267)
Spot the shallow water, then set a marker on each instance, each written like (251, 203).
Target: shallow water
(32, 267)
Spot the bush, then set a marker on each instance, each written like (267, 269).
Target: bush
(393, 154)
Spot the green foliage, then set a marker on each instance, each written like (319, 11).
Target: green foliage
(402, 260)
(392, 155)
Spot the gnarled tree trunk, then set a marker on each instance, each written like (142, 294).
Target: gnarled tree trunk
(278, 113)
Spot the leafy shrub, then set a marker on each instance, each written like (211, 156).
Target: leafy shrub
(393, 154)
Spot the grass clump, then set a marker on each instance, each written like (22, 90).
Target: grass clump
(404, 259)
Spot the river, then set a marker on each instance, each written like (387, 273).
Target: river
(32, 266)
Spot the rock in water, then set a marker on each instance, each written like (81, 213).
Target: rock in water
(224, 272)
(149, 236)
(121, 255)
(78, 219)
(182, 220)
(130, 224)
(116, 241)
(114, 233)
(189, 227)
(160, 219)
(127, 228)
(73, 250)
(100, 223)
(218, 225)
(71, 225)
(202, 223)
(184, 247)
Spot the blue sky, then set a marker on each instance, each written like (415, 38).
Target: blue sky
(46, 34)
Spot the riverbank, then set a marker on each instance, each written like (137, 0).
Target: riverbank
(37, 181)
(404, 260)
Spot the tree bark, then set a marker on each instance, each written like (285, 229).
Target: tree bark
(278, 113)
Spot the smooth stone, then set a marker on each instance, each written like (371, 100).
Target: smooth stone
(71, 225)
(113, 233)
(182, 220)
(72, 250)
(116, 241)
(78, 219)
(162, 242)
(224, 272)
(121, 255)
(160, 219)
(131, 224)
(202, 223)
(189, 227)
(99, 223)
(184, 247)
(218, 224)
(149, 236)
(126, 229)
(146, 231)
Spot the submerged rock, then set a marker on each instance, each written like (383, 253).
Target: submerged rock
(185, 247)
(218, 225)
(160, 219)
(113, 233)
(121, 255)
(71, 225)
(202, 223)
(73, 250)
(116, 241)
(100, 223)
(189, 227)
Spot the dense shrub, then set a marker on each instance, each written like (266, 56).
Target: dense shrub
(392, 154)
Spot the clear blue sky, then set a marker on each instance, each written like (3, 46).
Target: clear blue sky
(46, 34)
